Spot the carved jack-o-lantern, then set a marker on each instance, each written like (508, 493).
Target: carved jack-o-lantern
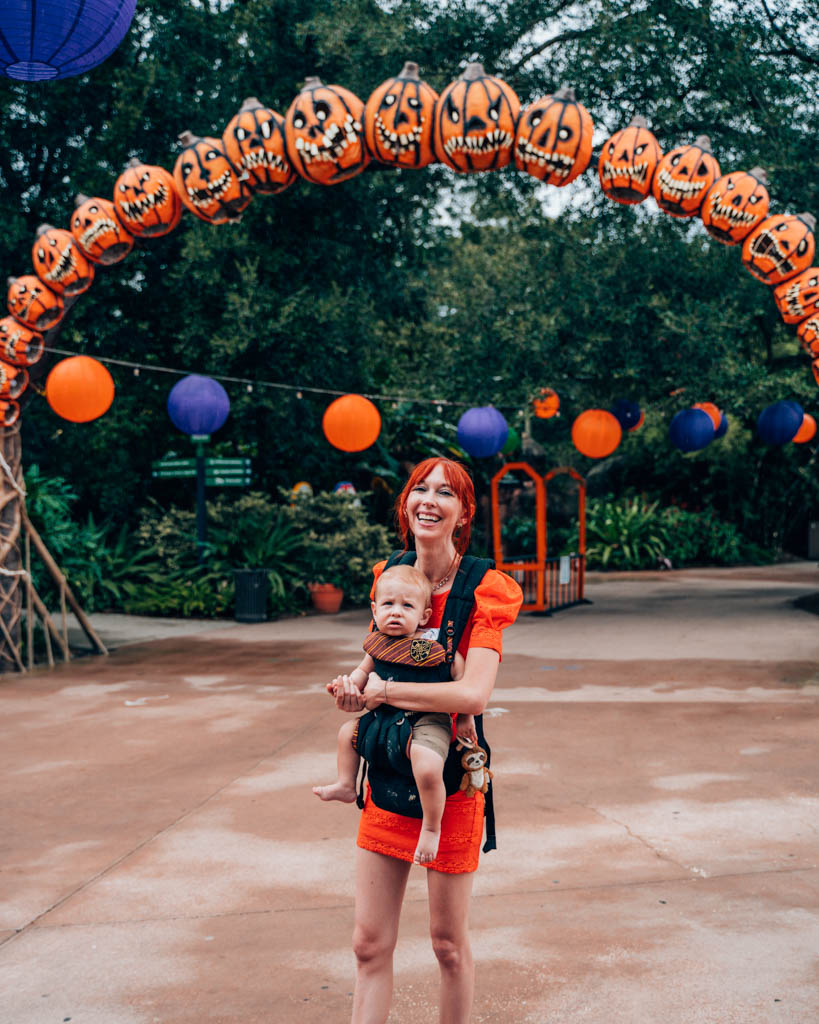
(324, 131)
(18, 344)
(780, 248)
(554, 139)
(9, 413)
(476, 119)
(808, 334)
(207, 181)
(254, 143)
(735, 204)
(399, 119)
(59, 262)
(13, 380)
(628, 161)
(684, 176)
(97, 231)
(798, 298)
(34, 305)
(546, 404)
(146, 200)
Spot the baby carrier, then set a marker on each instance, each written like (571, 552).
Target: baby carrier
(383, 735)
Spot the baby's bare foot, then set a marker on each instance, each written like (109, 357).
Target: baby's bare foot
(427, 849)
(338, 791)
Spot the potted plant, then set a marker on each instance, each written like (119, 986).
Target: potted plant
(338, 547)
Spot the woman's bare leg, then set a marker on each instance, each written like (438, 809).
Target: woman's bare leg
(428, 772)
(449, 901)
(379, 892)
(347, 760)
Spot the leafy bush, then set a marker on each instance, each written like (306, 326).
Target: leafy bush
(338, 542)
(103, 570)
(632, 533)
(624, 534)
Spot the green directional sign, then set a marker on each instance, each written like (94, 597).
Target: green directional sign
(218, 472)
(225, 464)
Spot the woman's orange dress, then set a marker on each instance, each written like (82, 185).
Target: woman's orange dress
(497, 600)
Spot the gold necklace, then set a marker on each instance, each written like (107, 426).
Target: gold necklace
(441, 583)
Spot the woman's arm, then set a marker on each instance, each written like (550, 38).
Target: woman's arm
(467, 696)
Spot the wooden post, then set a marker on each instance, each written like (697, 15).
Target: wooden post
(12, 575)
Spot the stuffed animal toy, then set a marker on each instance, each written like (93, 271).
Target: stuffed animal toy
(476, 774)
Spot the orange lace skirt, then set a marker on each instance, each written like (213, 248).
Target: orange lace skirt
(396, 836)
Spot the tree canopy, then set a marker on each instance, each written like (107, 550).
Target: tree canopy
(467, 289)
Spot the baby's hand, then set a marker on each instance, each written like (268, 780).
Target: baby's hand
(465, 729)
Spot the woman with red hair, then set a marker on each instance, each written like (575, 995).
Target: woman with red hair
(434, 511)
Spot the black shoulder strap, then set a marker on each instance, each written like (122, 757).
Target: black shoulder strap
(460, 600)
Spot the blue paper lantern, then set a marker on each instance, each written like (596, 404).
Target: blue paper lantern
(691, 430)
(626, 413)
(779, 423)
(198, 405)
(46, 39)
(722, 429)
(482, 431)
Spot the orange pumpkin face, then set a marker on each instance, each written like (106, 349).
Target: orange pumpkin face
(254, 143)
(780, 248)
(19, 345)
(398, 120)
(34, 305)
(546, 404)
(554, 138)
(798, 298)
(684, 176)
(207, 181)
(13, 381)
(98, 233)
(627, 163)
(475, 122)
(324, 133)
(9, 413)
(146, 201)
(59, 263)
(735, 204)
(808, 334)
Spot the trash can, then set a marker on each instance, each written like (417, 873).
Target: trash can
(251, 594)
(813, 540)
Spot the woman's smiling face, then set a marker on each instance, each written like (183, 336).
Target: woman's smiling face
(433, 509)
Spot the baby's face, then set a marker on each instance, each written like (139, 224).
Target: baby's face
(398, 608)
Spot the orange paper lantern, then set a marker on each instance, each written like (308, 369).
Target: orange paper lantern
(351, 423)
(807, 431)
(712, 410)
(79, 389)
(596, 433)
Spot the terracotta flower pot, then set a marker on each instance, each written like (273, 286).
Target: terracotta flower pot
(326, 597)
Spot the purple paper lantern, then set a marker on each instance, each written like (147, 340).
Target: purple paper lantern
(779, 423)
(627, 413)
(47, 39)
(198, 405)
(482, 431)
(691, 430)
(722, 429)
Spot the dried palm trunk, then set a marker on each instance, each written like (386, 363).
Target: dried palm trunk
(12, 582)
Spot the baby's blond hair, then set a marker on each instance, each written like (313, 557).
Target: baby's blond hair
(411, 576)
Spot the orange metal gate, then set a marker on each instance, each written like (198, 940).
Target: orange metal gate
(547, 583)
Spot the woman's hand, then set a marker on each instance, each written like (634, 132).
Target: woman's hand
(348, 696)
(375, 691)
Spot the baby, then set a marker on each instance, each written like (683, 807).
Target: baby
(401, 607)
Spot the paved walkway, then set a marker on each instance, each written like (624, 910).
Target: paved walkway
(165, 863)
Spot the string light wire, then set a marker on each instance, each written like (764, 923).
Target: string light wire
(250, 384)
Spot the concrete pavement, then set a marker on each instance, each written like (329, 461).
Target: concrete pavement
(164, 861)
